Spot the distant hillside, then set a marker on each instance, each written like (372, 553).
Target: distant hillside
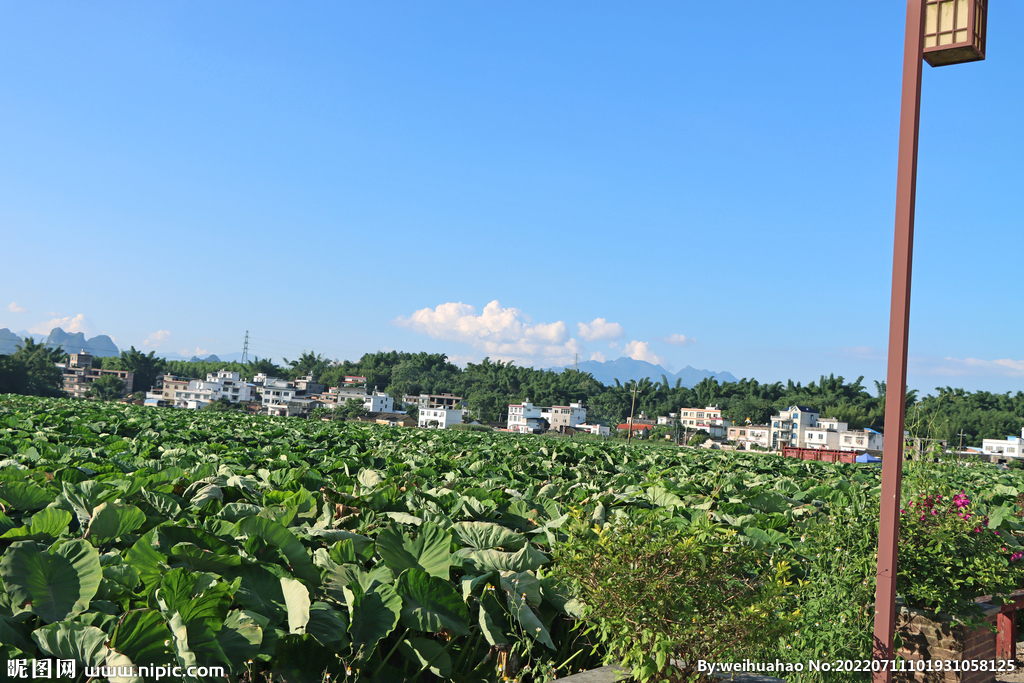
(101, 345)
(234, 357)
(626, 369)
(8, 342)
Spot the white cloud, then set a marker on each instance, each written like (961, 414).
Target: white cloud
(600, 328)
(502, 333)
(15, 308)
(462, 359)
(598, 356)
(679, 340)
(74, 324)
(639, 350)
(155, 338)
(1003, 367)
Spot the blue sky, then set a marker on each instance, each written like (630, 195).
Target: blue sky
(691, 183)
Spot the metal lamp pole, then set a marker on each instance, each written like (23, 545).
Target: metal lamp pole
(947, 39)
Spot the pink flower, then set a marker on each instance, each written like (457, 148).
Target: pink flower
(1016, 556)
(934, 512)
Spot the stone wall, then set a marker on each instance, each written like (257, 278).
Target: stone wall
(929, 636)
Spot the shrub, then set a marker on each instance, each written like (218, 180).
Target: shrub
(949, 555)
(659, 598)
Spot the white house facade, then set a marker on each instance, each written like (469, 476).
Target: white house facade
(439, 418)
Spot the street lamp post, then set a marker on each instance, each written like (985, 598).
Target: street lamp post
(940, 32)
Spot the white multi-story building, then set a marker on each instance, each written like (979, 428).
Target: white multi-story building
(1011, 446)
(801, 427)
(824, 434)
(221, 384)
(379, 402)
(790, 426)
(667, 420)
(439, 418)
(526, 418)
(276, 393)
(567, 416)
(709, 419)
(747, 436)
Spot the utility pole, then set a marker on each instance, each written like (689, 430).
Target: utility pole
(632, 408)
(960, 448)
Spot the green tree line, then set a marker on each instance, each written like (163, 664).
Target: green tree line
(953, 415)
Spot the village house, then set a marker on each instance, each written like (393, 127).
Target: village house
(77, 374)
(439, 418)
(747, 436)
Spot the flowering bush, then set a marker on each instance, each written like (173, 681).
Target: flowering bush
(949, 555)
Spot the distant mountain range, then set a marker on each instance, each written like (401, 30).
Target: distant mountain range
(69, 342)
(626, 369)
(235, 357)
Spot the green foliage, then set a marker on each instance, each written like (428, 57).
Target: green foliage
(950, 553)
(31, 370)
(144, 367)
(834, 592)
(107, 387)
(698, 439)
(326, 546)
(661, 597)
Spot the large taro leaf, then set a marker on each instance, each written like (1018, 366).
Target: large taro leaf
(277, 535)
(25, 496)
(241, 637)
(430, 604)
(373, 615)
(494, 623)
(150, 562)
(46, 525)
(200, 601)
(487, 535)
(260, 592)
(192, 557)
(179, 639)
(296, 600)
(140, 635)
(520, 610)
(113, 520)
(524, 583)
(328, 625)
(769, 501)
(427, 653)
(234, 512)
(71, 640)
(81, 498)
(51, 584)
(430, 551)
(525, 559)
(763, 538)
